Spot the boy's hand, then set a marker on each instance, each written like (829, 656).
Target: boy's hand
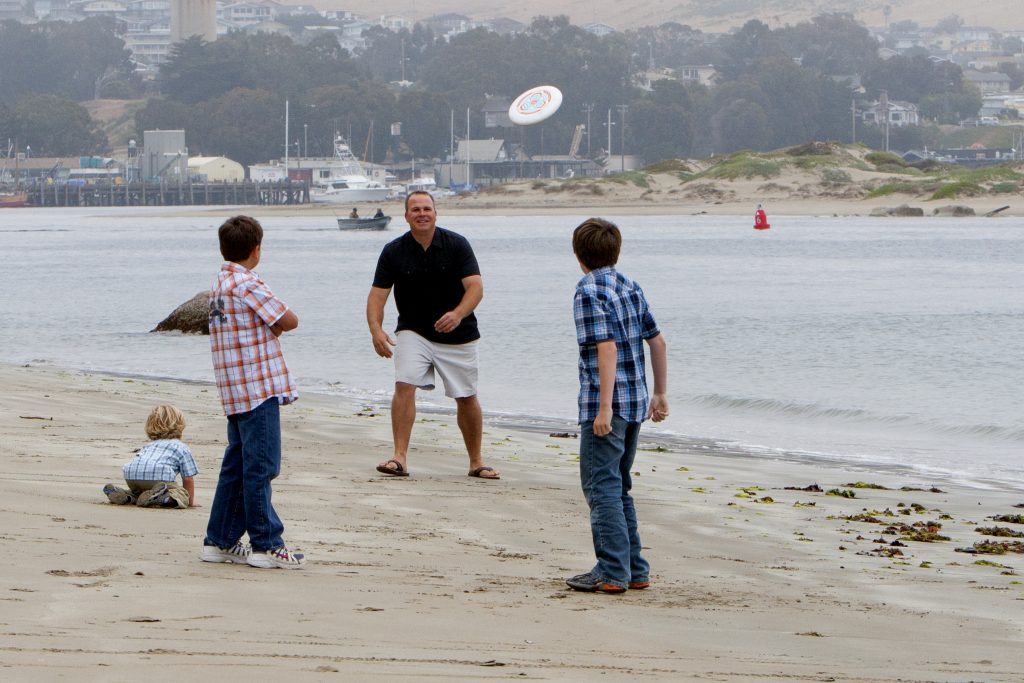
(603, 422)
(659, 407)
(382, 344)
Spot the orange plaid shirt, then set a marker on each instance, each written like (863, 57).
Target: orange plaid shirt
(247, 358)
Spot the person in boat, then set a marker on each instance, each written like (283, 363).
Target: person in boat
(379, 214)
(355, 214)
(437, 284)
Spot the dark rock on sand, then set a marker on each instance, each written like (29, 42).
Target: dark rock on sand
(192, 317)
(955, 210)
(901, 210)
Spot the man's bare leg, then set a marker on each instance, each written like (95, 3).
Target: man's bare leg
(471, 424)
(403, 415)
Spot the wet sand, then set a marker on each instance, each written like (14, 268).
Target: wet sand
(442, 577)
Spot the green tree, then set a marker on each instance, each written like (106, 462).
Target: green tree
(752, 44)
(197, 71)
(164, 114)
(833, 44)
(425, 121)
(913, 78)
(951, 107)
(59, 58)
(662, 123)
(740, 124)
(55, 126)
(243, 124)
(950, 24)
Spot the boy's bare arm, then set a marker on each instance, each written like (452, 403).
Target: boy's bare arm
(606, 360)
(189, 484)
(659, 365)
(286, 323)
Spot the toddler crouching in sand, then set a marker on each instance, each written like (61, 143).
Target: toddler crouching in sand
(152, 475)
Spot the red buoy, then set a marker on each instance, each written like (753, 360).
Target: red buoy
(760, 219)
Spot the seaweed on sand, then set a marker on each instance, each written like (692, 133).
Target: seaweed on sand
(1012, 519)
(999, 531)
(994, 547)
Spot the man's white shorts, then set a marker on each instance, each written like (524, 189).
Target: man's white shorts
(416, 359)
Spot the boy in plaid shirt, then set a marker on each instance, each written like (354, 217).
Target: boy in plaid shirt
(152, 474)
(612, 322)
(246, 320)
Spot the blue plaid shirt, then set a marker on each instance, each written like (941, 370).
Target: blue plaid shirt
(610, 306)
(161, 460)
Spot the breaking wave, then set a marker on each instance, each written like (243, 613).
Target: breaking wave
(814, 411)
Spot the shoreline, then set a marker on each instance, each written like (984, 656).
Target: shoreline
(653, 437)
(438, 575)
(627, 202)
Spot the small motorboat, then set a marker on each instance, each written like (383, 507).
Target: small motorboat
(372, 223)
(10, 200)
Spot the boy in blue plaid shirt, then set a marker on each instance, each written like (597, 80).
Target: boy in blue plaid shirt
(612, 322)
(152, 475)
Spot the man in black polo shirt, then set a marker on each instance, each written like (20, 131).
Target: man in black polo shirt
(437, 286)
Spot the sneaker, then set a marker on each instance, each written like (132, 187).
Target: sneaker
(277, 558)
(236, 554)
(639, 585)
(592, 583)
(157, 497)
(118, 495)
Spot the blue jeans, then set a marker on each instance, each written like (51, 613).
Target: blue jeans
(605, 462)
(241, 502)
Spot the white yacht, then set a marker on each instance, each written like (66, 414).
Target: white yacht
(343, 180)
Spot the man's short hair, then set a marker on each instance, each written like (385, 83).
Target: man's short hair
(413, 194)
(238, 237)
(165, 422)
(596, 243)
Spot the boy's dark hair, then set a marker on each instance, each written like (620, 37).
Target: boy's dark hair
(596, 243)
(238, 237)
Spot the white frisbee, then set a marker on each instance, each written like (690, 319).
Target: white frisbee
(535, 105)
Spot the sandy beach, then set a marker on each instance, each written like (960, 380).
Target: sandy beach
(442, 577)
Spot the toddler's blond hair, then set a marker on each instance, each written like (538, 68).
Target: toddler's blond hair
(165, 422)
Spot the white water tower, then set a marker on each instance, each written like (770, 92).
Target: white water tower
(193, 18)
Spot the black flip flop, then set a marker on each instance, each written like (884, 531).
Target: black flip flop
(397, 471)
(477, 473)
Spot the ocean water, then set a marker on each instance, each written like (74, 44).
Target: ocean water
(885, 343)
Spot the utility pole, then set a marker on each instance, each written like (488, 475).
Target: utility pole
(853, 122)
(884, 104)
(587, 108)
(609, 132)
(622, 135)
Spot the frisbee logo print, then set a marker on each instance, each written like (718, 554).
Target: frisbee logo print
(535, 105)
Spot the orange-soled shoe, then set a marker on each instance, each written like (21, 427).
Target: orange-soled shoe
(592, 583)
(639, 585)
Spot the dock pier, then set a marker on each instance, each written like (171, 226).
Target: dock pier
(162, 193)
